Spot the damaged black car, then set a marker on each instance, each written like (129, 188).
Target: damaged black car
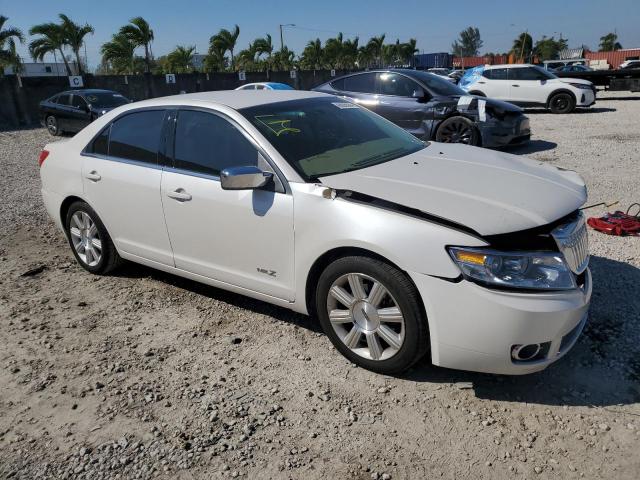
(432, 108)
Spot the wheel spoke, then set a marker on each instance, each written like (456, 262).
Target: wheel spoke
(390, 315)
(357, 288)
(352, 338)
(78, 221)
(89, 255)
(376, 294)
(342, 296)
(75, 232)
(93, 230)
(340, 316)
(375, 349)
(389, 336)
(96, 244)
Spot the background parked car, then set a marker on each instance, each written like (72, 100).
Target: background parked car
(433, 108)
(442, 72)
(265, 86)
(628, 64)
(529, 86)
(73, 110)
(573, 68)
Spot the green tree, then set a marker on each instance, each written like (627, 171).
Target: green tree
(375, 46)
(409, 51)
(468, 43)
(118, 54)
(8, 54)
(74, 37)
(333, 51)
(180, 59)
(264, 46)
(246, 59)
(51, 40)
(522, 47)
(366, 56)
(139, 33)
(225, 41)
(215, 60)
(549, 48)
(313, 55)
(609, 43)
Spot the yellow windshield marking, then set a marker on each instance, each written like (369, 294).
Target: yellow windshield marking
(277, 126)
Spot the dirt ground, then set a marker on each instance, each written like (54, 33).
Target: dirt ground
(147, 375)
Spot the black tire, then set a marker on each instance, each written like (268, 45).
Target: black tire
(562, 102)
(402, 291)
(109, 259)
(53, 128)
(477, 94)
(458, 130)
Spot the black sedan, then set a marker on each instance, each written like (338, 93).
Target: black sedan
(433, 108)
(73, 110)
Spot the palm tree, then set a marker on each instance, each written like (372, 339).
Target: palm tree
(333, 51)
(119, 53)
(180, 59)
(215, 59)
(409, 51)
(141, 35)
(74, 36)
(247, 57)
(264, 46)
(366, 56)
(8, 37)
(376, 44)
(51, 40)
(522, 46)
(226, 41)
(350, 52)
(313, 55)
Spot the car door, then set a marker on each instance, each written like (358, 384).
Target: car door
(239, 237)
(399, 102)
(121, 176)
(361, 88)
(494, 83)
(62, 112)
(79, 113)
(527, 86)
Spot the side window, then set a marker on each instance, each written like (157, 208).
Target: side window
(207, 143)
(526, 73)
(497, 73)
(395, 84)
(338, 84)
(137, 136)
(259, 87)
(78, 102)
(364, 82)
(100, 145)
(64, 99)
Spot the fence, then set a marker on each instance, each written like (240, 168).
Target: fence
(20, 97)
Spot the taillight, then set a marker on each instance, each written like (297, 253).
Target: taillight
(43, 156)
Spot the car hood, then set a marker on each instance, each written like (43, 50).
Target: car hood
(490, 192)
(573, 80)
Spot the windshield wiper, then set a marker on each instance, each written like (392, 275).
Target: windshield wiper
(377, 158)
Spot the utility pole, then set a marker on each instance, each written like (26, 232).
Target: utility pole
(281, 38)
(524, 39)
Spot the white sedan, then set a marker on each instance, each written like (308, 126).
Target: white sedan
(265, 86)
(400, 248)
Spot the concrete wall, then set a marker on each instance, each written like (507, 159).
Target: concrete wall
(19, 97)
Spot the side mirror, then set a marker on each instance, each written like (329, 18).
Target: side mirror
(420, 95)
(244, 178)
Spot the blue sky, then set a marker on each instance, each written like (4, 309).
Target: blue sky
(435, 24)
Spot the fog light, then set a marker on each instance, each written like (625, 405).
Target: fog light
(523, 353)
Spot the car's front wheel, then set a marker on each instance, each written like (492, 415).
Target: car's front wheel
(562, 103)
(52, 125)
(372, 314)
(89, 240)
(458, 130)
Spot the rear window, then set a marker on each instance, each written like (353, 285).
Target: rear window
(364, 83)
(496, 74)
(64, 99)
(106, 99)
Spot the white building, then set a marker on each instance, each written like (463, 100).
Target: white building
(43, 69)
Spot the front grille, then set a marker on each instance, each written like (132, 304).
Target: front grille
(573, 242)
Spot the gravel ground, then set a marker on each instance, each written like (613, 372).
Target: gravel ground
(146, 375)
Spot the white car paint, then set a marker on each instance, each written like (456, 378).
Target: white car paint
(471, 327)
(530, 92)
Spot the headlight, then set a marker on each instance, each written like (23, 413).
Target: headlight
(523, 270)
(581, 86)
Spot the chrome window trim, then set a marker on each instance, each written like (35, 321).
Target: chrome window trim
(127, 161)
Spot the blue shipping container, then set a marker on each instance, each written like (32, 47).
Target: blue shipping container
(434, 60)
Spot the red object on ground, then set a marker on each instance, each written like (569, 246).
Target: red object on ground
(617, 223)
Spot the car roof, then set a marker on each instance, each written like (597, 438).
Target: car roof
(509, 65)
(87, 91)
(235, 99)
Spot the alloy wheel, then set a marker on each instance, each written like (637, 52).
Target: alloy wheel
(52, 125)
(456, 132)
(365, 316)
(561, 102)
(86, 238)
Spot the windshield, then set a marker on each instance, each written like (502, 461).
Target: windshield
(326, 136)
(106, 99)
(436, 84)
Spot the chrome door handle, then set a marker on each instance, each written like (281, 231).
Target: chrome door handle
(515, 85)
(180, 195)
(482, 83)
(93, 176)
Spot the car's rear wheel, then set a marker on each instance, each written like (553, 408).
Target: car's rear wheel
(52, 125)
(458, 130)
(89, 240)
(372, 314)
(562, 103)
